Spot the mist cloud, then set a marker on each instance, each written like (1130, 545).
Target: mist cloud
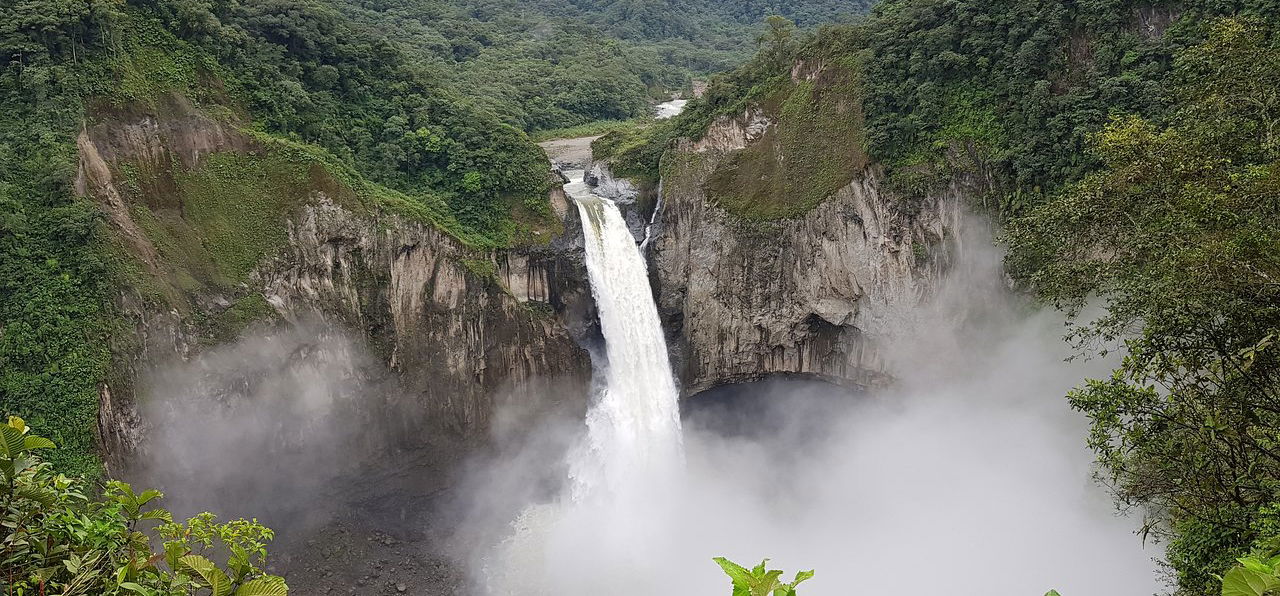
(279, 425)
(969, 477)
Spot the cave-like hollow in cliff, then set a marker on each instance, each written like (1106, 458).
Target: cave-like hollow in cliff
(770, 408)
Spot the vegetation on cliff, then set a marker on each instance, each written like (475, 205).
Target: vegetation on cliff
(60, 540)
(68, 65)
(413, 106)
(1179, 233)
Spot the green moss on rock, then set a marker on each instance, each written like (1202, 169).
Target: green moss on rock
(228, 324)
(812, 150)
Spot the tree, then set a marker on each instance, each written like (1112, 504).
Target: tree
(778, 41)
(1179, 235)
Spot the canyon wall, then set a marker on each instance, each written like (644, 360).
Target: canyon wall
(454, 325)
(817, 294)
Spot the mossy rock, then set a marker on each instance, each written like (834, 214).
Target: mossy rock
(814, 148)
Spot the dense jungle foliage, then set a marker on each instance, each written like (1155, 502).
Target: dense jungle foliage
(1179, 233)
(550, 64)
(59, 539)
(295, 71)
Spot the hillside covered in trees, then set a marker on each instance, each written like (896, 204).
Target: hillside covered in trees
(548, 64)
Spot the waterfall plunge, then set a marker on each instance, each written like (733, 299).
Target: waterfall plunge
(632, 451)
(633, 428)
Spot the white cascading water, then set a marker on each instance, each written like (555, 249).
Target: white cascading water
(633, 427)
(653, 220)
(632, 450)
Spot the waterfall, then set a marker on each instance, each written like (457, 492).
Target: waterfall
(633, 426)
(632, 452)
(653, 220)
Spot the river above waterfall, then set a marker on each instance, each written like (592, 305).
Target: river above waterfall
(670, 109)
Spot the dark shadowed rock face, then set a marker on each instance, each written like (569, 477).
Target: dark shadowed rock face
(456, 337)
(1152, 21)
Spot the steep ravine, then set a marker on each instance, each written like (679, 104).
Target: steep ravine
(450, 334)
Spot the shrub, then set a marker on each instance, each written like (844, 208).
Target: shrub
(57, 539)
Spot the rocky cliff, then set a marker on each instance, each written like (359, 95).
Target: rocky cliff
(818, 292)
(220, 231)
(459, 327)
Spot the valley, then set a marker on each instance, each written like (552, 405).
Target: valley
(575, 297)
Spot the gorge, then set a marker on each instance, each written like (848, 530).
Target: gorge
(572, 296)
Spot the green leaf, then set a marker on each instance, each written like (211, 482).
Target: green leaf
(159, 514)
(173, 553)
(759, 569)
(736, 572)
(11, 442)
(1253, 564)
(46, 498)
(214, 577)
(32, 443)
(1242, 581)
(148, 495)
(767, 583)
(264, 586)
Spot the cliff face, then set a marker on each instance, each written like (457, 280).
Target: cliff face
(458, 327)
(817, 294)
(455, 325)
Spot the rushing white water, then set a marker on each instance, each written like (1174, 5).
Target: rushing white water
(653, 220)
(633, 427)
(670, 109)
(632, 450)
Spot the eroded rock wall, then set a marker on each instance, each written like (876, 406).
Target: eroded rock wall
(458, 327)
(818, 295)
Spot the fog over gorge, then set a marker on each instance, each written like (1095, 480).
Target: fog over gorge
(623, 297)
(970, 472)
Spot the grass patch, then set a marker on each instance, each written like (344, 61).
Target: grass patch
(812, 151)
(589, 129)
(151, 62)
(228, 324)
(237, 204)
(481, 268)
